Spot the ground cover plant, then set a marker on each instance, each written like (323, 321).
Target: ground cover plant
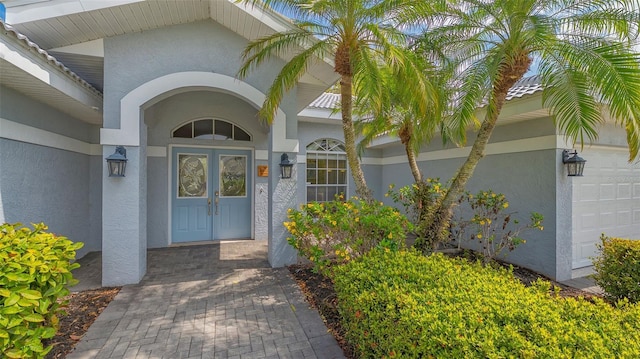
(618, 268)
(451, 308)
(35, 273)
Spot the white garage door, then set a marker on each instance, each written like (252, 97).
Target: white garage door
(606, 200)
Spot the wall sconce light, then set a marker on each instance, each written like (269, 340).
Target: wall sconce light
(285, 166)
(575, 163)
(117, 162)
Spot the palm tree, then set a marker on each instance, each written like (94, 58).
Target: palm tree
(585, 61)
(397, 114)
(360, 36)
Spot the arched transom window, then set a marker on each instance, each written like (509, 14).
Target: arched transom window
(211, 129)
(326, 170)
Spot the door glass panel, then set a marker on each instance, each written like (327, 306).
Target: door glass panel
(233, 176)
(192, 175)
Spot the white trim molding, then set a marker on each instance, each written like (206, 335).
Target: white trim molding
(28, 134)
(515, 146)
(157, 89)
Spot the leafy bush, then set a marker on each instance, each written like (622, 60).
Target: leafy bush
(420, 200)
(490, 225)
(618, 268)
(404, 304)
(35, 270)
(338, 231)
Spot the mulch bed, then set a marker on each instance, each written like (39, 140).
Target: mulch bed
(83, 309)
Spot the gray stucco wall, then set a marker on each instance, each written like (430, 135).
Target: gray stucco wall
(41, 184)
(163, 117)
(134, 59)
(528, 180)
(19, 108)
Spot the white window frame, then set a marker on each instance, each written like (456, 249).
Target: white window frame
(341, 155)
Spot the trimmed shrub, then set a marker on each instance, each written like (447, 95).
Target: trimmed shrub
(35, 268)
(618, 268)
(403, 304)
(493, 228)
(337, 231)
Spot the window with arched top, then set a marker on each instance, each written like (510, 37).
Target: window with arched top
(211, 129)
(327, 174)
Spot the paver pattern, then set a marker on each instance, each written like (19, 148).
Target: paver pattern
(218, 300)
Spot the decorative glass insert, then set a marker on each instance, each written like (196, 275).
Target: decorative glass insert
(211, 129)
(326, 170)
(233, 176)
(192, 175)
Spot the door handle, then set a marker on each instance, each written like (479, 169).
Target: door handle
(209, 206)
(217, 200)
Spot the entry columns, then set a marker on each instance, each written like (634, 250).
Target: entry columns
(124, 220)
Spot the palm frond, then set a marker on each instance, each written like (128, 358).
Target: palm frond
(288, 77)
(268, 47)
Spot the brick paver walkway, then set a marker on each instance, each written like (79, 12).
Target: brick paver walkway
(209, 301)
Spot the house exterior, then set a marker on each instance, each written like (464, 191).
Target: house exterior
(78, 78)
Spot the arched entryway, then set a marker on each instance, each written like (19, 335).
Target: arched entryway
(125, 201)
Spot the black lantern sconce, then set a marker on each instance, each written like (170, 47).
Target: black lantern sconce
(117, 162)
(285, 166)
(575, 163)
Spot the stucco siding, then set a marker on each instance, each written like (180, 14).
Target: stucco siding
(134, 59)
(165, 116)
(157, 202)
(16, 107)
(528, 181)
(526, 177)
(42, 184)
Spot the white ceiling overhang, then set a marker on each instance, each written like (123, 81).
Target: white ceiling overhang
(61, 25)
(30, 70)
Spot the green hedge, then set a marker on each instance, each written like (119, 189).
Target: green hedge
(35, 268)
(407, 305)
(618, 268)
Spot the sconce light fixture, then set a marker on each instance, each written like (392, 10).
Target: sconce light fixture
(575, 163)
(285, 166)
(117, 162)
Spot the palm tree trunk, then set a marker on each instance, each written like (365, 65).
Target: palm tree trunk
(405, 135)
(437, 227)
(350, 139)
(411, 156)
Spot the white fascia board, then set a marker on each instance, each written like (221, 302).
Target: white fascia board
(14, 56)
(89, 48)
(33, 64)
(55, 8)
(270, 19)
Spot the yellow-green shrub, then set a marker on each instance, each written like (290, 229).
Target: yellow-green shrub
(618, 268)
(406, 305)
(338, 231)
(35, 268)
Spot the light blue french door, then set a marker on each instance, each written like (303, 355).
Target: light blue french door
(211, 194)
